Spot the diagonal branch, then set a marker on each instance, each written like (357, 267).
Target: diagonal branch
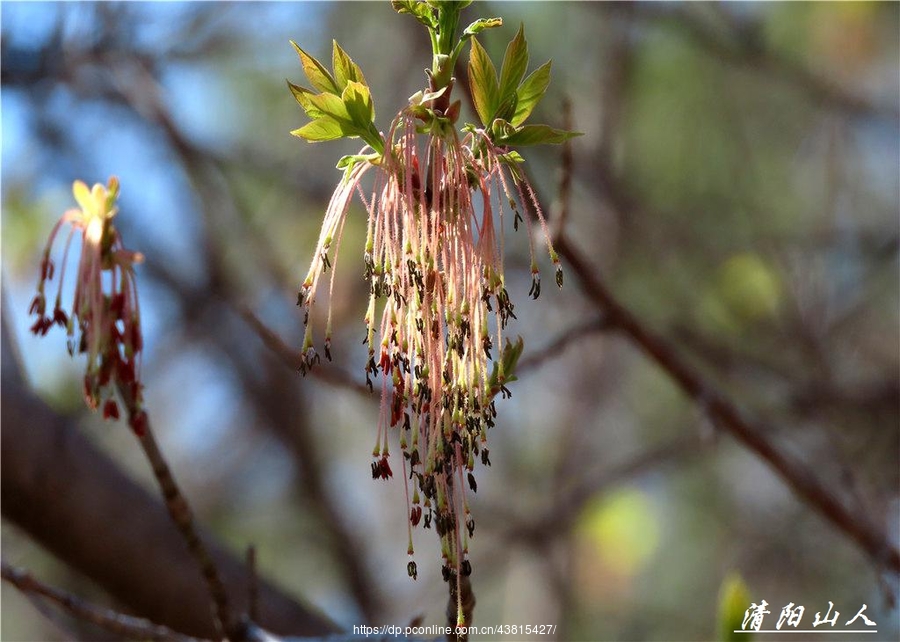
(726, 415)
(126, 626)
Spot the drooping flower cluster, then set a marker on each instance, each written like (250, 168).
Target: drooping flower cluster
(438, 308)
(103, 319)
(438, 305)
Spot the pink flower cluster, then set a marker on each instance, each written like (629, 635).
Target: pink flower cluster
(438, 306)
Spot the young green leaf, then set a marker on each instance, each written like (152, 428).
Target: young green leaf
(358, 102)
(480, 25)
(345, 69)
(331, 106)
(302, 95)
(318, 76)
(320, 129)
(530, 92)
(536, 135)
(483, 83)
(419, 10)
(515, 62)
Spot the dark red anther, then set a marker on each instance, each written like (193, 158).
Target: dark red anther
(110, 410)
(385, 468)
(415, 515)
(385, 362)
(41, 326)
(59, 317)
(37, 305)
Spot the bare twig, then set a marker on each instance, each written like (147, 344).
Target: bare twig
(127, 626)
(179, 511)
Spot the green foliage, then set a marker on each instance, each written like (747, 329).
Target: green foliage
(535, 135)
(483, 83)
(503, 104)
(344, 108)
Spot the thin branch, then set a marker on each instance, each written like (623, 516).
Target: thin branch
(725, 415)
(179, 511)
(331, 375)
(126, 626)
(556, 347)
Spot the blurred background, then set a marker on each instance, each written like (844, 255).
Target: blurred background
(736, 186)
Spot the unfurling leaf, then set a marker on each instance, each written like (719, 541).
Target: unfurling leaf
(420, 10)
(483, 83)
(345, 70)
(331, 106)
(358, 102)
(320, 129)
(480, 25)
(530, 92)
(515, 62)
(302, 96)
(318, 76)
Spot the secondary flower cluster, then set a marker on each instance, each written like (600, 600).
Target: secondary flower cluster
(438, 307)
(103, 319)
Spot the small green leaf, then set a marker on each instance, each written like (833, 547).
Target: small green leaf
(317, 74)
(331, 106)
(320, 129)
(480, 25)
(302, 95)
(419, 10)
(536, 135)
(513, 157)
(358, 102)
(425, 96)
(530, 92)
(345, 69)
(483, 83)
(515, 63)
(350, 161)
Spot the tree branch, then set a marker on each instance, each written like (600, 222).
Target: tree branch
(725, 415)
(124, 625)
